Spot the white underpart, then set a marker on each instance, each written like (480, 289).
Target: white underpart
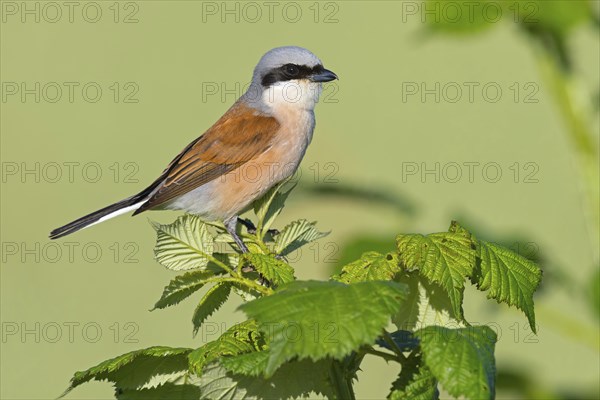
(300, 94)
(117, 213)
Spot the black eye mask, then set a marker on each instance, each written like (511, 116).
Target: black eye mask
(288, 72)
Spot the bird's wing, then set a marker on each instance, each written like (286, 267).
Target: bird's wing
(238, 137)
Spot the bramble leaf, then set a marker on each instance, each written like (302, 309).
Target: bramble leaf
(426, 304)
(229, 259)
(462, 359)
(509, 277)
(295, 235)
(250, 364)
(445, 258)
(168, 390)
(312, 319)
(268, 207)
(415, 381)
(145, 368)
(182, 287)
(184, 244)
(297, 379)
(371, 266)
(211, 302)
(276, 271)
(239, 339)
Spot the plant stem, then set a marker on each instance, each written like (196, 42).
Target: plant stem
(256, 286)
(342, 386)
(393, 346)
(221, 264)
(382, 354)
(243, 281)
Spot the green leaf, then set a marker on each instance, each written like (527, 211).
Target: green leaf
(296, 235)
(184, 244)
(462, 360)
(137, 369)
(304, 378)
(415, 381)
(250, 364)
(239, 339)
(351, 249)
(445, 258)
(211, 302)
(229, 259)
(276, 271)
(314, 319)
(168, 390)
(426, 304)
(371, 266)
(182, 287)
(509, 277)
(268, 207)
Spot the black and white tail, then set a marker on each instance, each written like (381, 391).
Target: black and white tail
(121, 207)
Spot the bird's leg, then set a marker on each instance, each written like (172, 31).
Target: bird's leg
(230, 225)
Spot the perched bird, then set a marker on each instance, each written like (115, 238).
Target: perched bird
(256, 144)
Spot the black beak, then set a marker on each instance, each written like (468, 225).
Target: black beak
(323, 75)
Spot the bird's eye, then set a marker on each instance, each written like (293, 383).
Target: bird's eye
(291, 69)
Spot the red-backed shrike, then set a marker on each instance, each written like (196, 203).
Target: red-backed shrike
(256, 144)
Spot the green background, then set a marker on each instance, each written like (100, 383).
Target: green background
(364, 134)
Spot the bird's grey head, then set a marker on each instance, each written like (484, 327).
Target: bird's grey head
(290, 76)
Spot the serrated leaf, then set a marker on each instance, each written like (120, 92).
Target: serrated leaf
(295, 235)
(184, 244)
(415, 381)
(371, 266)
(137, 369)
(509, 277)
(229, 259)
(446, 258)
(182, 287)
(314, 319)
(426, 304)
(351, 249)
(298, 379)
(211, 302)
(268, 207)
(276, 271)
(239, 339)
(462, 360)
(167, 390)
(249, 364)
